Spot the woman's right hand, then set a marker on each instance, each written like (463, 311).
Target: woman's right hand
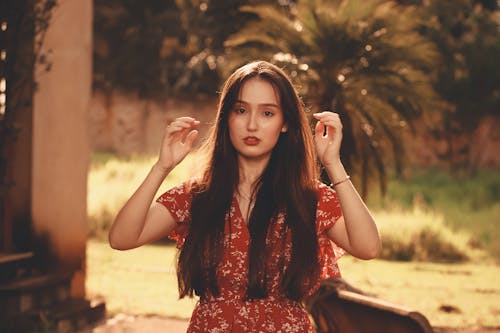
(176, 144)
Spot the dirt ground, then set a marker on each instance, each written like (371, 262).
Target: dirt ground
(123, 323)
(467, 330)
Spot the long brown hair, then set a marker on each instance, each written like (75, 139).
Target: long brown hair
(286, 185)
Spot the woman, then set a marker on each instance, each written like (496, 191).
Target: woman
(258, 231)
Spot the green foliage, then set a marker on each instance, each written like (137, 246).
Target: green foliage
(463, 202)
(466, 33)
(467, 36)
(421, 236)
(138, 46)
(207, 24)
(435, 188)
(159, 48)
(363, 59)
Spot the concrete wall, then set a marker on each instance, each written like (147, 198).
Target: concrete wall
(61, 139)
(124, 124)
(477, 150)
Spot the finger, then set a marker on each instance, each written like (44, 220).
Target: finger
(326, 116)
(320, 115)
(190, 138)
(333, 129)
(175, 132)
(188, 121)
(334, 123)
(185, 122)
(175, 126)
(319, 130)
(181, 127)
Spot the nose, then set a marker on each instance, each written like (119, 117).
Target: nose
(252, 122)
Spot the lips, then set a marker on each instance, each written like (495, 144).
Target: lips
(251, 141)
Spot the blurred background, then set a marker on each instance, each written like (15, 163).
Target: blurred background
(86, 90)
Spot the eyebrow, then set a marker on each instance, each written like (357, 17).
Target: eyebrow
(263, 104)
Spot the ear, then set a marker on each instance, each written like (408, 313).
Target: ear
(284, 129)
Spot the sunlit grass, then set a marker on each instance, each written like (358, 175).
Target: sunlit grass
(143, 281)
(418, 235)
(139, 281)
(112, 180)
(412, 227)
(416, 220)
(466, 203)
(470, 291)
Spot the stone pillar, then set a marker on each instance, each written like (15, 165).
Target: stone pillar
(60, 138)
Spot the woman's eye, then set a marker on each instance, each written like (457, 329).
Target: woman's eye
(239, 110)
(268, 113)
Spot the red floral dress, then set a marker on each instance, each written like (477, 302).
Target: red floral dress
(229, 312)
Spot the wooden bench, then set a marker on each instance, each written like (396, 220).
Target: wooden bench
(337, 307)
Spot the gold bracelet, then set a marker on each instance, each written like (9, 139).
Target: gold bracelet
(341, 181)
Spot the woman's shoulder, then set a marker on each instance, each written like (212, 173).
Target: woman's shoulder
(182, 190)
(188, 186)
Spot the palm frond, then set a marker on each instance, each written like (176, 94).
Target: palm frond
(365, 58)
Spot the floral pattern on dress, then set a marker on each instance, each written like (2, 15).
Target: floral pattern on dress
(229, 311)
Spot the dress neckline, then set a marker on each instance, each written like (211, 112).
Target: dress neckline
(239, 212)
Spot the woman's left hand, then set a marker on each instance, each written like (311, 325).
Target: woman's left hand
(328, 145)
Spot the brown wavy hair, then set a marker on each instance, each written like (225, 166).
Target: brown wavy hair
(286, 185)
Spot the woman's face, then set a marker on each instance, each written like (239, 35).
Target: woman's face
(256, 120)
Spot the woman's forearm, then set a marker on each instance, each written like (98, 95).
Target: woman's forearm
(129, 223)
(360, 227)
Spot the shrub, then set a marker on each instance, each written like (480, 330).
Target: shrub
(421, 236)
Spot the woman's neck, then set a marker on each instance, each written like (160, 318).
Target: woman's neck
(249, 173)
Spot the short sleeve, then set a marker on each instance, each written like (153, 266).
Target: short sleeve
(328, 210)
(178, 202)
(327, 213)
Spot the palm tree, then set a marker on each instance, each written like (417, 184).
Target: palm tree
(363, 59)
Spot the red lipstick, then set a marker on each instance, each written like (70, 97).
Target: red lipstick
(251, 141)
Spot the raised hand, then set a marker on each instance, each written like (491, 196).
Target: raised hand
(177, 142)
(140, 222)
(328, 144)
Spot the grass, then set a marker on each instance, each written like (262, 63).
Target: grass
(465, 203)
(143, 281)
(113, 179)
(469, 291)
(139, 281)
(431, 216)
(427, 217)
(418, 235)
